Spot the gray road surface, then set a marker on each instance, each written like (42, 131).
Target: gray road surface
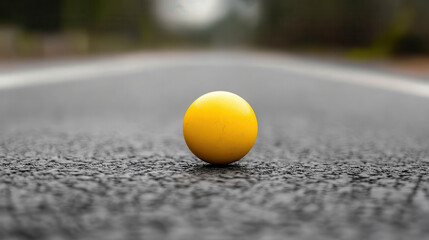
(105, 159)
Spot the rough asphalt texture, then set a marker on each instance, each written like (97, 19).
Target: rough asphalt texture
(105, 159)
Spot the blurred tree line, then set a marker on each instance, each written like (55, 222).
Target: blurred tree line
(364, 28)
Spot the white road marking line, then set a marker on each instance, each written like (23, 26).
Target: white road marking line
(137, 63)
(82, 71)
(331, 72)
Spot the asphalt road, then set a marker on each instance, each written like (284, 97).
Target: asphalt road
(104, 158)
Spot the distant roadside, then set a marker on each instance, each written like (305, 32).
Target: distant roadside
(410, 65)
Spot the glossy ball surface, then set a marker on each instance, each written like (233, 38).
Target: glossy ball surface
(220, 127)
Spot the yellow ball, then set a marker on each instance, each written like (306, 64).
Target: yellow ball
(220, 127)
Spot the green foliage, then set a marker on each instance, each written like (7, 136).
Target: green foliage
(370, 28)
(364, 28)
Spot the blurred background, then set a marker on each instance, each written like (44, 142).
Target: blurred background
(365, 29)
